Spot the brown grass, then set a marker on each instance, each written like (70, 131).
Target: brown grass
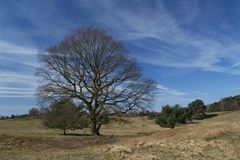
(137, 138)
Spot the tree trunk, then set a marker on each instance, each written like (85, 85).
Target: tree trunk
(95, 129)
(94, 126)
(64, 131)
(203, 113)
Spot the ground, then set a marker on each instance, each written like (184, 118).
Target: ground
(217, 137)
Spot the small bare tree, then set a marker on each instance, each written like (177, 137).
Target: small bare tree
(92, 67)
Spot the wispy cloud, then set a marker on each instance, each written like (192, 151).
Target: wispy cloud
(14, 77)
(6, 47)
(24, 95)
(22, 85)
(165, 91)
(174, 46)
(17, 79)
(14, 54)
(16, 92)
(166, 95)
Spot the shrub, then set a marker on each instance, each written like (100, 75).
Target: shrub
(198, 107)
(182, 114)
(66, 115)
(166, 118)
(169, 116)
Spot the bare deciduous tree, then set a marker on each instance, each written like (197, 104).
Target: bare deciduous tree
(91, 66)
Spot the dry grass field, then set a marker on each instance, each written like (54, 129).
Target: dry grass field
(136, 138)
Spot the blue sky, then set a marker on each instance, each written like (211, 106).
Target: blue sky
(190, 48)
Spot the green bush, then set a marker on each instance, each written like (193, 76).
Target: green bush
(65, 115)
(170, 115)
(198, 107)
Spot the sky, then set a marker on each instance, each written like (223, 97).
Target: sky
(191, 48)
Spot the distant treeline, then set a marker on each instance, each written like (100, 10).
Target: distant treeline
(225, 104)
(13, 116)
(33, 112)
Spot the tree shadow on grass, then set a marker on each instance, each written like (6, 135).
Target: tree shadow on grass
(75, 134)
(202, 117)
(191, 122)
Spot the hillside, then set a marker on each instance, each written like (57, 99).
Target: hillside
(135, 138)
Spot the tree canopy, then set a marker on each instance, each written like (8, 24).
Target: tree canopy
(197, 106)
(95, 69)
